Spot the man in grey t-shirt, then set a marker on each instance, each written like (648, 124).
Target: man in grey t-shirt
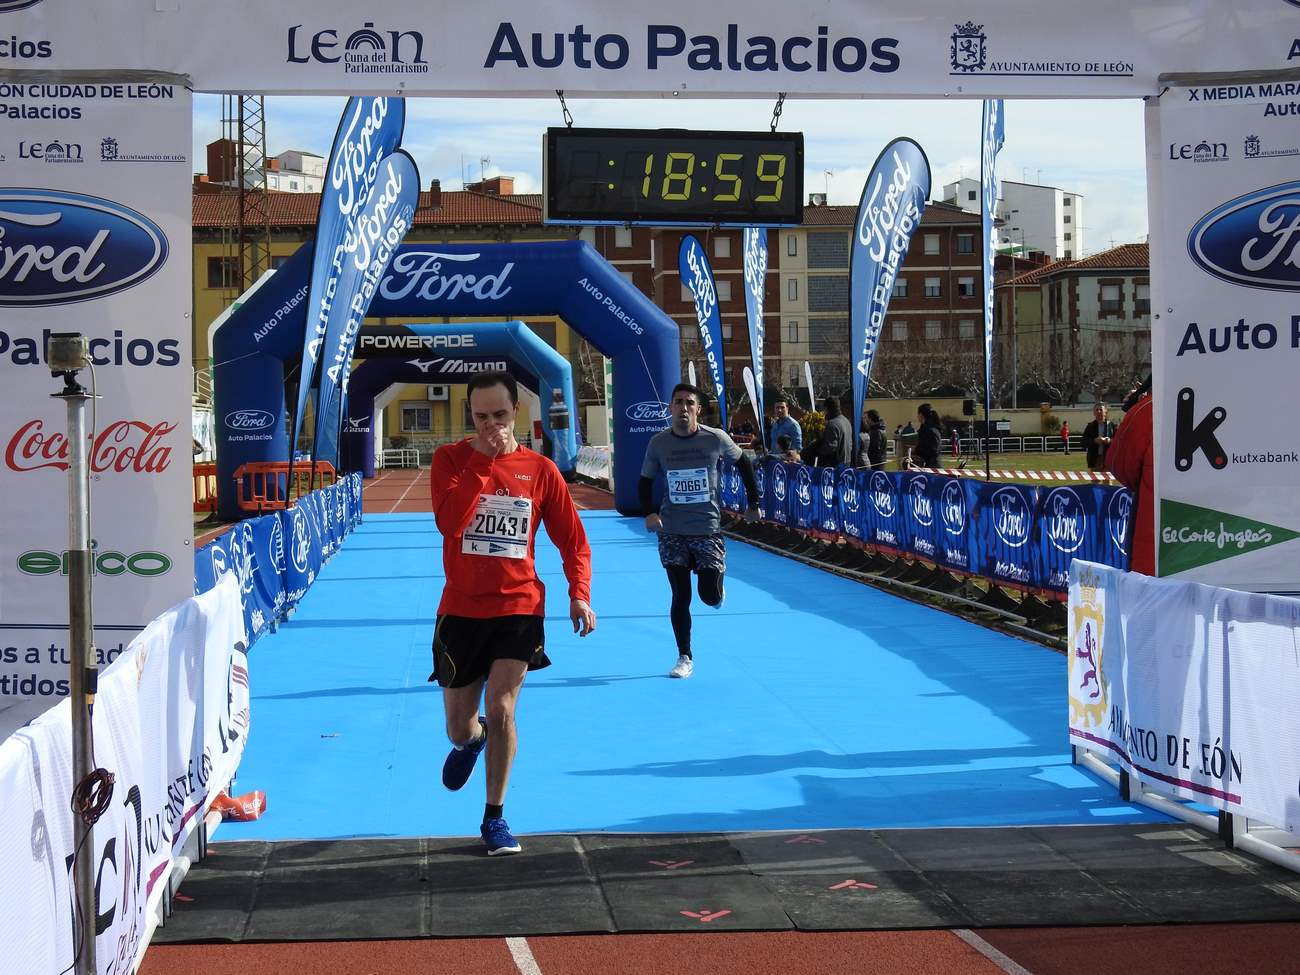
(688, 520)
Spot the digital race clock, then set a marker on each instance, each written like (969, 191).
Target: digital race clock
(672, 176)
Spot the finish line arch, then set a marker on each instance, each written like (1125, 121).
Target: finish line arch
(567, 278)
(509, 345)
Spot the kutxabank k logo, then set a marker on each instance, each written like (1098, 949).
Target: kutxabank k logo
(58, 247)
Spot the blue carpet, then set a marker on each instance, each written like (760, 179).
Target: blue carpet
(816, 703)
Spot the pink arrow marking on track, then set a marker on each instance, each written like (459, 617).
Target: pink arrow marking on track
(852, 885)
(671, 864)
(704, 915)
(805, 838)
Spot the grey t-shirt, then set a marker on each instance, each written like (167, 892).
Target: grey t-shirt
(690, 468)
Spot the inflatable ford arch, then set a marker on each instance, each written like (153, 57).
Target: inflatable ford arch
(452, 354)
(426, 280)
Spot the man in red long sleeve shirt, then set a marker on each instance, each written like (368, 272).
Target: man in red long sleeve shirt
(488, 495)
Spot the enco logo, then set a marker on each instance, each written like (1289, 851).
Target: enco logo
(1010, 517)
(651, 411)
(57, 247)
(1064, 519)
(803, 486)
(849, 490)
(146, 565)
(1252, 241)
(922, 508)
(882, 494)
(952, 508)
(249, 420)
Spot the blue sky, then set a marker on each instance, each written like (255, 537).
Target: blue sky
(1090, 147)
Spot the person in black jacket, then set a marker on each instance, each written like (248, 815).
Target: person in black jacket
(835, 445)
(871, 453)
(929, 440)
(1096, 438)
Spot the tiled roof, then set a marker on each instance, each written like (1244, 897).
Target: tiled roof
(1125, 257)
(302, 209)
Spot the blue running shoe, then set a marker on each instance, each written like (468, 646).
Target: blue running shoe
(460, 761)
(498, 838)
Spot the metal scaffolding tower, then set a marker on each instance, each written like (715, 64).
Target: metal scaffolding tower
(247, 231)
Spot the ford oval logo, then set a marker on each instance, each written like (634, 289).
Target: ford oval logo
(58, 247)
(650, 411)
(249, 420)
(1252, 241)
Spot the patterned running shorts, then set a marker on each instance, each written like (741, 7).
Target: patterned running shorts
(693, 551)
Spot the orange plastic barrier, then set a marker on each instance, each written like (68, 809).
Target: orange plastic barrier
(205, 487)
(264, 486)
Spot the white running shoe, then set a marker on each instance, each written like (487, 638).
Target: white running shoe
(683, 668)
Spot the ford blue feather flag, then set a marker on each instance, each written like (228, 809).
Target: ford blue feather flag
(755, 245)
(379, 227)
(892, 203)
(369, 130)
(698, 277)
(992, 133)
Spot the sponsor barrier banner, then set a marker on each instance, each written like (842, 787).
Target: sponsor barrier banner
(1000, 530)
(1020, 535)
(303, 557)
(379, 227)
(893, 200)
(171, 721)
(799, 479)
(920, 494)
(95, 230)
(847, 47)
(755, 246)
(697, 276)
(1224, 205)
(369, 130)
(1190, 688)
(1078, 522)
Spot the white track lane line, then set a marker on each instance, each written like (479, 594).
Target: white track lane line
(1008, 965)
(523, 956)
(414, 482)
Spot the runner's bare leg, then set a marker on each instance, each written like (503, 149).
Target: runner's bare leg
(503, 685)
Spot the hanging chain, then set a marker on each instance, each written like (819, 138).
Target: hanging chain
(568, 116)
(776, 112)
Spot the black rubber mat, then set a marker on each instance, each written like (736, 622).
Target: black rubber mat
(818, 881)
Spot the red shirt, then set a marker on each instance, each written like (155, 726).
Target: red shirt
(1131, 460)
(490, 584)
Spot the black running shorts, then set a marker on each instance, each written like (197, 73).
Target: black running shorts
(464, 648)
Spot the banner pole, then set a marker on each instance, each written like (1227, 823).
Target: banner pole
(70, 351)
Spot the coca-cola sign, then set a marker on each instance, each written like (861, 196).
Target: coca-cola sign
(58, 247)
(122, 447)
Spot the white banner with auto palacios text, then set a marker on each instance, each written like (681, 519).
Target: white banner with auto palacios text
(170, 723)
(853, 48)
(1190, 688)
(1225, 219)
(95, 229)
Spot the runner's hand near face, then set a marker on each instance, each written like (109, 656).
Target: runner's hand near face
(494, 441)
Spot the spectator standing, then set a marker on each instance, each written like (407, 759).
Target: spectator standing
(1097, 436)
(1065, 436)
(784, 425)
(929, 439)
(872, 452)
(835, 446)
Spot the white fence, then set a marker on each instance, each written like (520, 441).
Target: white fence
(1185, 696)
(399, 457)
